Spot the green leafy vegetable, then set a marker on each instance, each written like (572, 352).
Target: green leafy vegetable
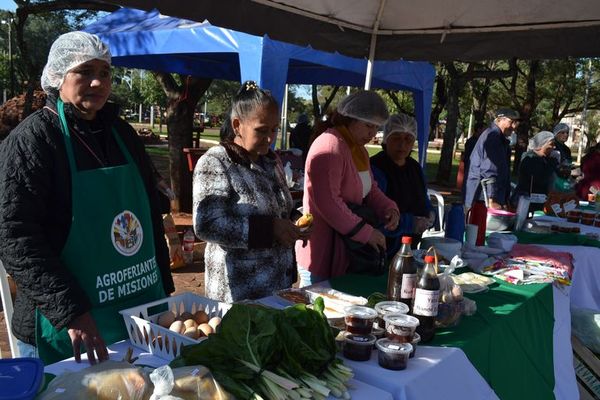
(259, 352)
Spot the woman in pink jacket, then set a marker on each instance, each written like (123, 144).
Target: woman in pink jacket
(337, 173)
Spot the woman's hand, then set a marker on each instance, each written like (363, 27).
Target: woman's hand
(377, 240)
(83, 330)
(421, 224)
(392, 217)
(286, 232)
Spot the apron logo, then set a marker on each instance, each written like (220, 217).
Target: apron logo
(127, 234)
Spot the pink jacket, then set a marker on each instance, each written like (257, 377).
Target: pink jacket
(331, 180)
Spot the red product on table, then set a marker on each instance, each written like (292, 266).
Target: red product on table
(478, 216)
(425, 303)
(402, 277)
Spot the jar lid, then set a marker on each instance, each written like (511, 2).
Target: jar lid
(360, 312)
(402, 320)
(391, 307)
(360, 340)
(25, 377)
(388, 346)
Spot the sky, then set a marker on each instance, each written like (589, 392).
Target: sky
(7, 5)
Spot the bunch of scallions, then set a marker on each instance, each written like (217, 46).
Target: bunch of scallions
(262, 353)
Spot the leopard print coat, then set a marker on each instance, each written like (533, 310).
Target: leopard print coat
(235, 201)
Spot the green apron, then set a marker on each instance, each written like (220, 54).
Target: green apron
(109, 250)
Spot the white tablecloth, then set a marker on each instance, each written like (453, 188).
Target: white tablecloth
(359, 390)
(434, 373)
(583, 228)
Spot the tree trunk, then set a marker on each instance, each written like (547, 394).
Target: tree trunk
(480, 102)
(441, 100)
(527, 109)
(180, 120)
(315, 103)
(452, 106)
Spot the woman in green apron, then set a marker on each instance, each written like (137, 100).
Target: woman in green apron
(75, 270)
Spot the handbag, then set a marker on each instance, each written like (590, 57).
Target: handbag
(364, 259)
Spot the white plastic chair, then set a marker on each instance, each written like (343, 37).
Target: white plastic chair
(440, 210)
(7, 306)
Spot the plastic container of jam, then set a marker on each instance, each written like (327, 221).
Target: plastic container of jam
(574, 216)
(587, 217)
(378, 332)
(358, 347)
(400, 327)
(359, 319)
(415, 341)
(393, 355)
(384, 308)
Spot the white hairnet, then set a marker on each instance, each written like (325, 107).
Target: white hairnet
(399, 123)
(67, 52)
(561, 128)
(364, 105)
(539, 140)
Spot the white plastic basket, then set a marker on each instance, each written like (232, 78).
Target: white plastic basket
(145, 333)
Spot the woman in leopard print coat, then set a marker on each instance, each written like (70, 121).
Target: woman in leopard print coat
(242, 205)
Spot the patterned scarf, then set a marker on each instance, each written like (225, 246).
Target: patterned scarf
(359, 156)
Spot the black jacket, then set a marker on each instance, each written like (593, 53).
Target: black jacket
(536, 175)
(35, 208)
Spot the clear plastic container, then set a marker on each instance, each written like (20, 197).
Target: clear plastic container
(359, 319)
(358, 347)
(400, 327)
(378, 332)
(393, 355)
(384, 308)
(415, 341)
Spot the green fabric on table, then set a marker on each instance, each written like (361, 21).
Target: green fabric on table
(563, 239)
(509, 340)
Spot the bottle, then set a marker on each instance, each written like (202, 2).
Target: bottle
(427, 297)
(403, 274)
(188, 246)
(455, 222)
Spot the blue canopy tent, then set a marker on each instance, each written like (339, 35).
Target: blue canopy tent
(149, 40)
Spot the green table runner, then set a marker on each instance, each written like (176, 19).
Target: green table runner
(509, 340)
(563, 239)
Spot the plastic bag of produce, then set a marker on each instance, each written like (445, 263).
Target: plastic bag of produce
(451, 297)
(585, 324)
(187, 383)
(109, 380)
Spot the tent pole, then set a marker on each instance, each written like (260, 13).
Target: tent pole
(283, 123)
(371, 60)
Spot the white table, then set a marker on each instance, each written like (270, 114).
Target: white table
(434, 373)
(446, 372)
(585, 283)
(359, 390)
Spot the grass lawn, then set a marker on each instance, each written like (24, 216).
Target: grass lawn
(160, 157)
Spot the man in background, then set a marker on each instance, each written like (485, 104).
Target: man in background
(490, 161)
(300, 135)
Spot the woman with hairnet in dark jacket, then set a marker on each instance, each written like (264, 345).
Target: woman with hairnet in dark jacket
(537, 168)
(79, 215)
